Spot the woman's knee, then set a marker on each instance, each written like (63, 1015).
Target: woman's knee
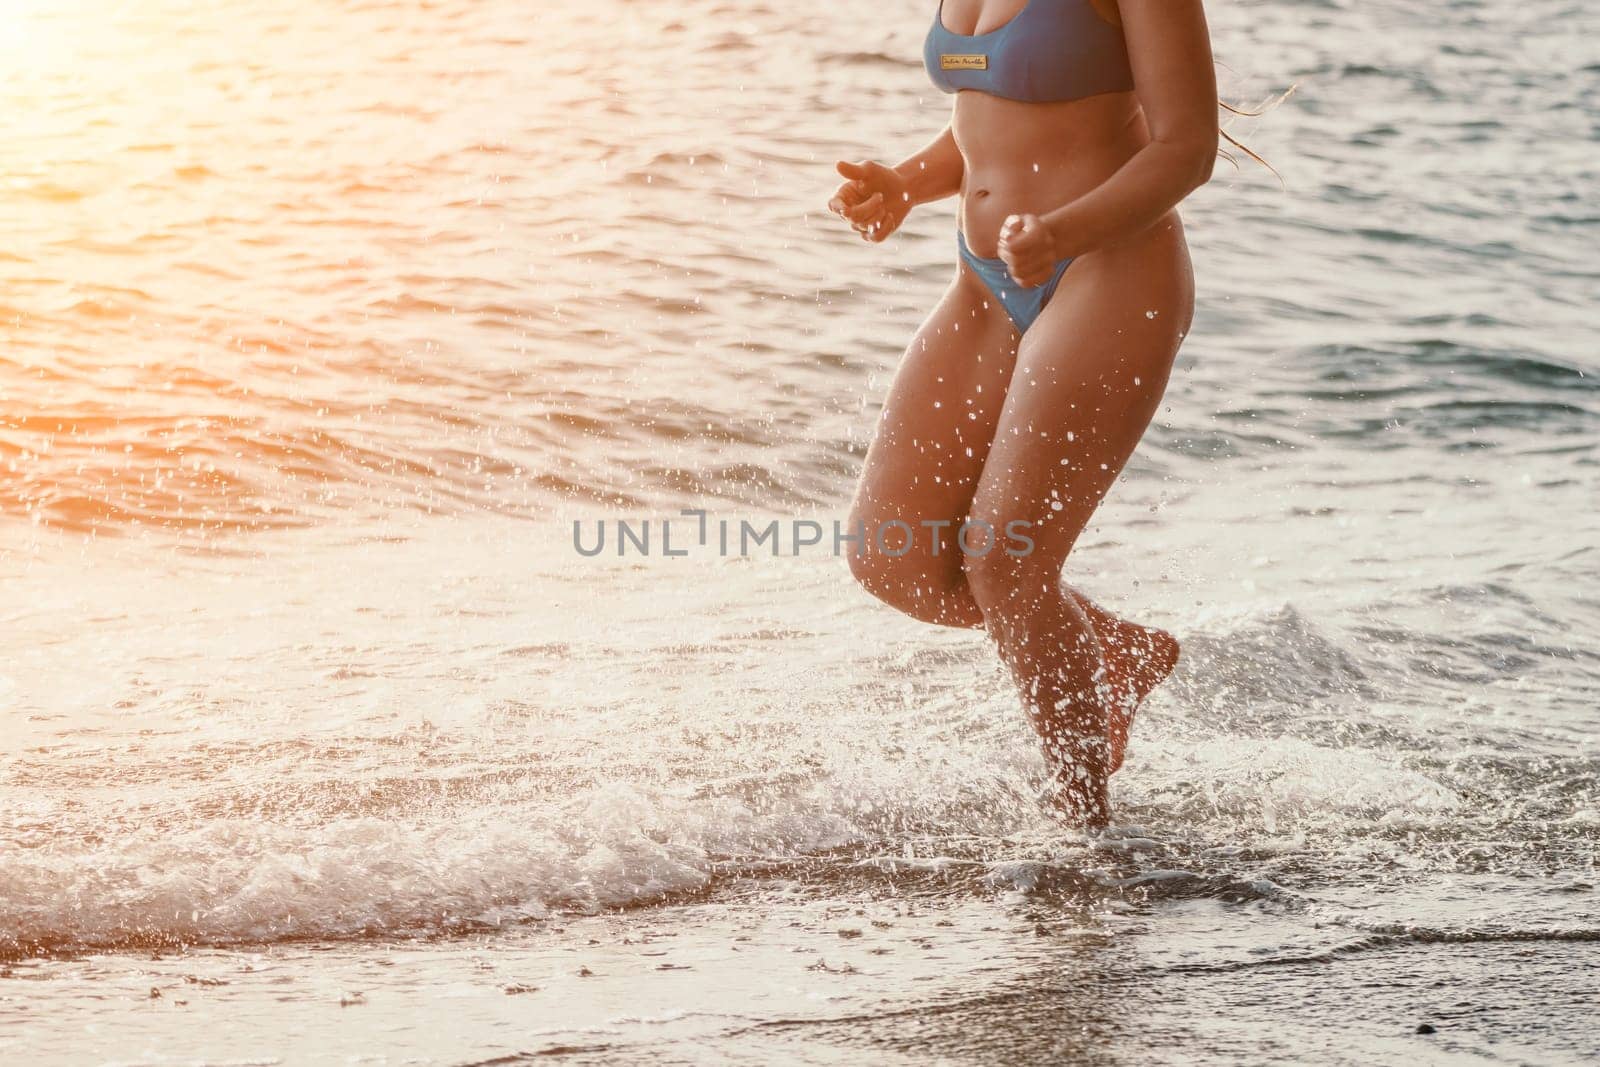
(912, 589)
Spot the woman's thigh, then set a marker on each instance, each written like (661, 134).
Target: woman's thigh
(1089, 377)
(933, 435)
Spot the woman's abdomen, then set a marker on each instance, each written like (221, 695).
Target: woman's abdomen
(1023, 158)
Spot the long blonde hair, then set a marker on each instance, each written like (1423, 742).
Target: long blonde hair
(1257, 112)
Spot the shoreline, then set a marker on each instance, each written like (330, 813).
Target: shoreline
(1008, 977)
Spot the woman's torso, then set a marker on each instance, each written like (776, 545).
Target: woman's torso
(1033, 155)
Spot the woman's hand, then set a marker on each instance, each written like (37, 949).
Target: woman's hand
(1028, 247)
(875, 200)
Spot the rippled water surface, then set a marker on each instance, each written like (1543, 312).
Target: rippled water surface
(319, 323)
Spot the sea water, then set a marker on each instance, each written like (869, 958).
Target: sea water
(320, 324)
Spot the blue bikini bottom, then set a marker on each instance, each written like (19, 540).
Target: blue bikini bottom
(1023, 305)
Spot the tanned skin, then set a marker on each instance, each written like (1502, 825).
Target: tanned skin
(983, 424)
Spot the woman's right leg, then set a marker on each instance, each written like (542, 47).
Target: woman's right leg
(928, 450)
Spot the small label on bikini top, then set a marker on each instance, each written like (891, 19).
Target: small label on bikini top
(954, 61)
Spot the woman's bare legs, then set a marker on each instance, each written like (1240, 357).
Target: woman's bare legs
(933, 446)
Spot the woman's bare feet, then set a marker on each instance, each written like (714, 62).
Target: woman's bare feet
(1077, 790)
(1085, 740)
(1137, 658)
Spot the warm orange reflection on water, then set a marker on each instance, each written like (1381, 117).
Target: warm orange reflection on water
(265, 264)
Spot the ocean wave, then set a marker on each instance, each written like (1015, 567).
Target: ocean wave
(1242, 781)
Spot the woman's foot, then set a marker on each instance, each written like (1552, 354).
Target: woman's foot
(1138, 658)
(1076, 791)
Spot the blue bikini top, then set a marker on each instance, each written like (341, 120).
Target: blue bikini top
(1050, 51)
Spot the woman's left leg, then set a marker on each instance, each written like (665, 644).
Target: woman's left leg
(1088, 378)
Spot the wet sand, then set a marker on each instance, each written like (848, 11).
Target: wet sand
(879, 979)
